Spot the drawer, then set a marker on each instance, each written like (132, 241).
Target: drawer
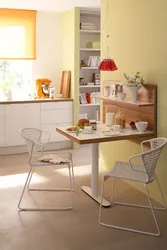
(55, 137)
(56, 105)
(56, 116)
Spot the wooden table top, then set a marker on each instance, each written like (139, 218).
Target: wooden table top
(99, 135)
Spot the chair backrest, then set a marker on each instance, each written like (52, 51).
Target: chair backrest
(31, 136)
(151, 156)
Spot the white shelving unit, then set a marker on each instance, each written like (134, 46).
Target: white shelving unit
(86, 35)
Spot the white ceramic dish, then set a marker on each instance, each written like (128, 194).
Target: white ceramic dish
(141, 126)
(110, 133)
(73, 131)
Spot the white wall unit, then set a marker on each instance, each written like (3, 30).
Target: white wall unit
(2, 125)
(20, 116)
(57, 105)
(55, 116)
(89, 35)
(58, 114)
(45, 116)
(51, 128)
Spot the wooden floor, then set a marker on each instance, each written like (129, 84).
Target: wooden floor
(70, 230)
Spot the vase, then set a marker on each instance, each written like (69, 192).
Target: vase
(133, 93)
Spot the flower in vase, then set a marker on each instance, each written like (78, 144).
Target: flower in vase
(135, 80)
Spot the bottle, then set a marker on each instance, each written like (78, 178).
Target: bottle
(120, 119)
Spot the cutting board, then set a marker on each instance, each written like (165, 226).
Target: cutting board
(65, 83)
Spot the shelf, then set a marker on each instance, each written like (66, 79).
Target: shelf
(89, 104)
(90, 86)
(90, 31)
(89, 68)
(116, 101)
(90, 13)
(89, 49)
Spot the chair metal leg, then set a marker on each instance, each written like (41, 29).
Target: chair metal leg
(28, 176)
(144, 206)
(112, 191)
(101, 200)
(71, 185)
(27, 183)
(164, 208)
(152, 210)
(129, 229)
(72, 171)
(50, 189)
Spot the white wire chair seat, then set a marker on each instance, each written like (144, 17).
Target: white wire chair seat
(37, 160)
(144, 173)
(36, 140)
(122, 170)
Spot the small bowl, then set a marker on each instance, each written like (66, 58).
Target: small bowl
(121, 96)
(141, 126)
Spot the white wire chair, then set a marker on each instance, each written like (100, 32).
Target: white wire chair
(144, 173)
(35, 140)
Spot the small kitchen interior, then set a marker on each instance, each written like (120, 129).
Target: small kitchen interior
(82, 87)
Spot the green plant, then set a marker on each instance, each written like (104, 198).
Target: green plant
(7, 78)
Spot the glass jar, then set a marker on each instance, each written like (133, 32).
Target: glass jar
(93, 124)
(120, 119)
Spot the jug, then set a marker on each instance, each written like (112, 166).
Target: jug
(110, 119)
(9, 95)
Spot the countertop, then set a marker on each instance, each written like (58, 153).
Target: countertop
(36, 100)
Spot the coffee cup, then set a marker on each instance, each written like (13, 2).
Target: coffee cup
(88, 129)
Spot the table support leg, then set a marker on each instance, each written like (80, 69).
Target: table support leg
(93, 191)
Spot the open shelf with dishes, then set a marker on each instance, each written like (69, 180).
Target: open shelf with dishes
(89, 87)
(144, 109)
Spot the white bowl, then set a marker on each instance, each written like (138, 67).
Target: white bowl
(141, 126)
(121, 96)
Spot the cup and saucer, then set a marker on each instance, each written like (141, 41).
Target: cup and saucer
(87, 130)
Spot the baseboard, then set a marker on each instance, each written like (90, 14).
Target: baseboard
(23, 149)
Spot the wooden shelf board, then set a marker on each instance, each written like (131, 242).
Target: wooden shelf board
(121, 102)
(89, 104)
(89, 49)
(90, 31)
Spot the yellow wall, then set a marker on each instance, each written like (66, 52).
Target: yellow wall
(138, 40)
(70, 53)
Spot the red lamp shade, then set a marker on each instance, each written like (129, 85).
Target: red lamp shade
(107, 65)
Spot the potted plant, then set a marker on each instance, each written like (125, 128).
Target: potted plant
(134, 83)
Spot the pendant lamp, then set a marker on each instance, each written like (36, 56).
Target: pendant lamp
(107, 64)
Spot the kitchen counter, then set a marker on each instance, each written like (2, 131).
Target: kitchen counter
(36, 100)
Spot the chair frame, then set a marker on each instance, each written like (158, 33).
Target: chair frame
(31, 172)
(106, 176)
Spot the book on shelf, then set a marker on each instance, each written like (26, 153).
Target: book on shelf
(82, 98)
(89, 98)
(87, 26)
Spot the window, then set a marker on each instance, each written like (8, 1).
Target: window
(16, 75)
(17, 50)
(17, 34)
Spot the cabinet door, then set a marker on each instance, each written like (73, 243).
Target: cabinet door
(20, 116)
(2, 125)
